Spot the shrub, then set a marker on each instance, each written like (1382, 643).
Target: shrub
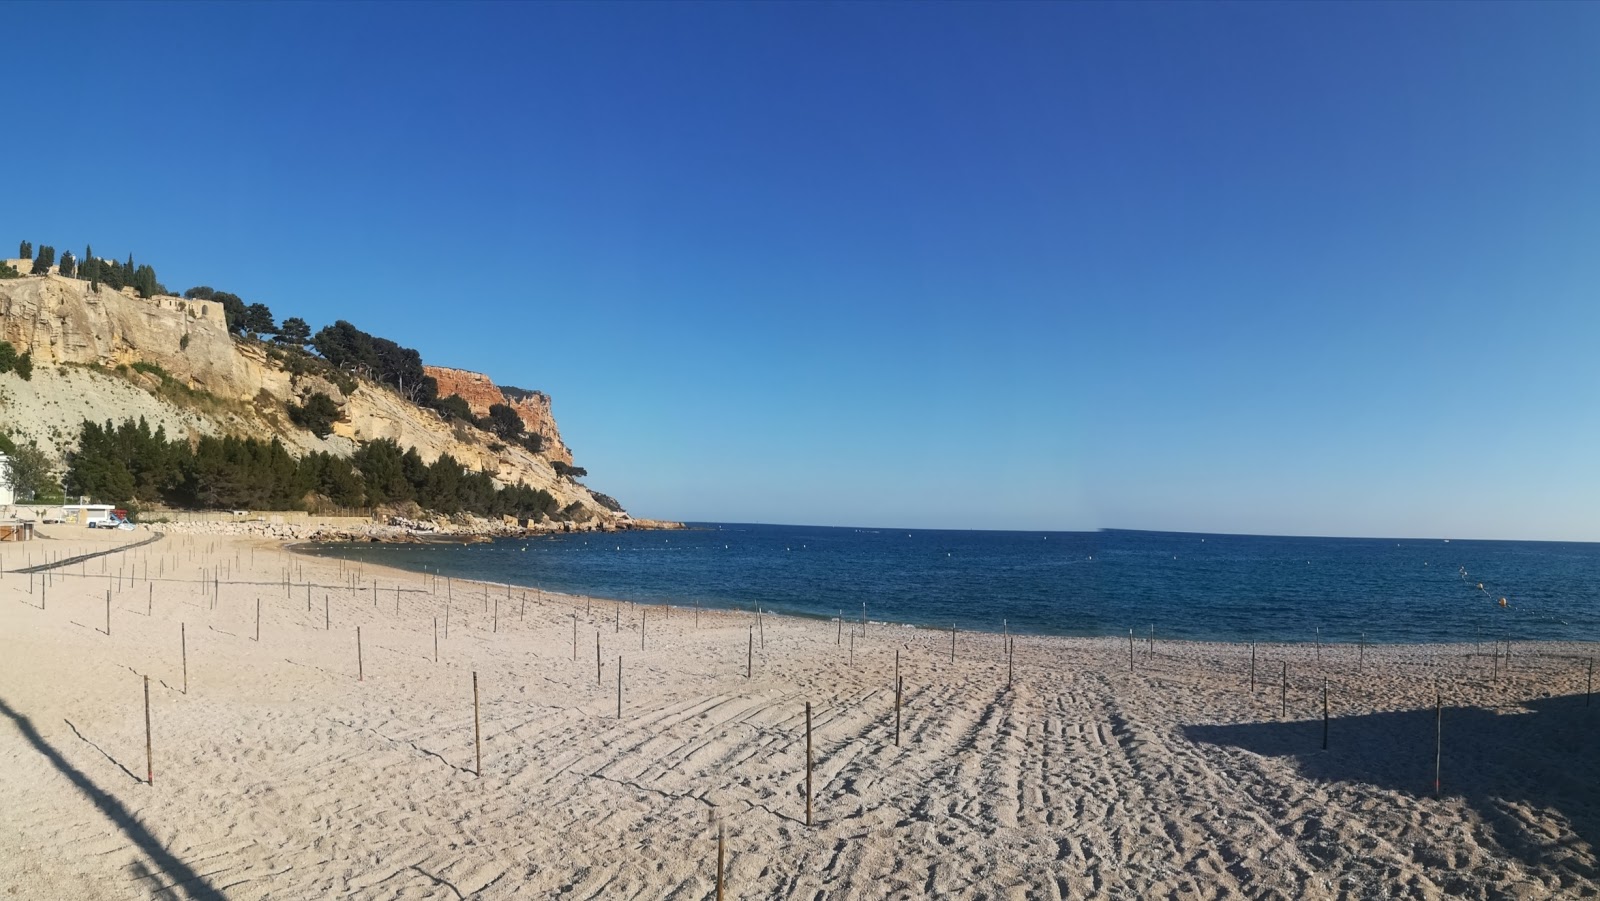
(318, 414)
(11, 361)
(153, 369)
(503, 421)
(566, 471)
(453, 407)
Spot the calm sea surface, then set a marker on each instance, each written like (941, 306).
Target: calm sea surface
(1214, 587)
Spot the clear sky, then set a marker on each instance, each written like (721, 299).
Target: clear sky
(1284, 268)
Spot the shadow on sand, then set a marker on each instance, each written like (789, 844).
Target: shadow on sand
(182, 879)
(1542, 755)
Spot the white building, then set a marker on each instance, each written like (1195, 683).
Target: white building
(8, 495)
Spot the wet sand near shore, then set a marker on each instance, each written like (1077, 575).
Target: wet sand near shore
(297, 765)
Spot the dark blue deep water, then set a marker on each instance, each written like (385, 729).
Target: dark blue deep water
(1215, 587)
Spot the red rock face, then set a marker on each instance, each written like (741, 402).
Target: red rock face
(480, 393)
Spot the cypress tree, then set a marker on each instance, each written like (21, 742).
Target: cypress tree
(25, 250)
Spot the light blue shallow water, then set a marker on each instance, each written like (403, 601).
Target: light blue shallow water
(1212, 587)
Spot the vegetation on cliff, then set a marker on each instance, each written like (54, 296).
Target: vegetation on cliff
(11, 361)
(317, 415)
(130, 463)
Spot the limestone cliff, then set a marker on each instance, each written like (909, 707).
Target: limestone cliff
(220, 385)
(480, 394)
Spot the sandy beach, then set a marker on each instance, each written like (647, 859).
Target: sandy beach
(1075, 769)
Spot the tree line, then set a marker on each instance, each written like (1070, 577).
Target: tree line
(129, 464)
(92, 269)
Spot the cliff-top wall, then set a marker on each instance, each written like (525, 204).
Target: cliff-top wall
(480, 393)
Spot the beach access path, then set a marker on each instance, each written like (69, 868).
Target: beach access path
(291, 759)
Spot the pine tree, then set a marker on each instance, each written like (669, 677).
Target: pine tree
(258, 320)
(45, 259)
(67, 267)
(294, 330)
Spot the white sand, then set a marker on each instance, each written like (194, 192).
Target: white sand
(279, 775)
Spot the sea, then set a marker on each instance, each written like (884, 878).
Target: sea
(1181, 585)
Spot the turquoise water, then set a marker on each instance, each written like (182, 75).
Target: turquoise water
(1213, 587)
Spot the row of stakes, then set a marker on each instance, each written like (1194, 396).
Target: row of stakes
(1008, 643)
(899, 683)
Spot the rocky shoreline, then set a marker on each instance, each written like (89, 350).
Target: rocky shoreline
(403, 530)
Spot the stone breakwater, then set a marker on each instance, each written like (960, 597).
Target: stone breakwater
(399, 530)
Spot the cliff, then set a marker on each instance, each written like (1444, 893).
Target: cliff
(85, 346)
(480, 394)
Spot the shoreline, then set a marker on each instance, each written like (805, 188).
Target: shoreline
(1040, 765)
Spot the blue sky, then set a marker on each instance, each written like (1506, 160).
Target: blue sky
(1295, 268)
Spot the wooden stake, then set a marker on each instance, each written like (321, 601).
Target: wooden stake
(496, 614)
(1130, 650)
(1324, 714)
(258, 620)
(183, 647)
(477, 729)
(436, 639)
(574, 636)
(641, 630)
(899, 689)
(447, 619)
(750, 655)
(150, 598)
(720, 859)
(761, 626)
(952, 642)
(840, 639)
(1438, 737)
(149, 764)
(1010, 646)
(108, 613)
(361, 675)
(808, 763)
(327, 617)
(619, 686)
(597, 656)
(1252, 667)
(1283, 693)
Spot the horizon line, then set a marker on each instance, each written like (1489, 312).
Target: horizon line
(1437, 538)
